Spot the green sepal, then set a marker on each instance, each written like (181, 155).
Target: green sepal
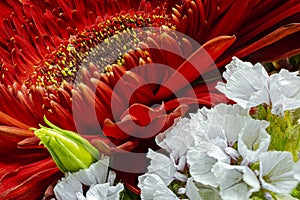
(69, 150)
(76, 137)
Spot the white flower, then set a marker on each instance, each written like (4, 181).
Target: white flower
(200, 166)
(235, 182)
(216, 137)
(153, 188)
(223, 121)
(102, 192)
(253, 140)
(246, 84)
(96, 173)
(162, 166)
(225, 109)
(70, 187)
(285, 91)
(196, 191)
(67, 188)
(178, 138)
(192, 192)
(276, 172)
(250, 86)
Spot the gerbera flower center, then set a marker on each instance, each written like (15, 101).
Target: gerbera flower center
(83, 49)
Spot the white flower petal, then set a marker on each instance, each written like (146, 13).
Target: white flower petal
(223, 121)
(178, 138)
(276, 171)
(181, 191)
(253, 140)
(210, 132)
(96, 173)
(216, 150)
(285, 197)
(246, 84)
(181, 163)
(111, 177)
(114, 192)
(201, 115)
(236, 182)
(98, 191)
(192, 192)
(70, 187)
(234, 154)
(79, 196)
(152, 187)
(162, 166)
(201, 165)
(102, 192)
(296, 171)
(67, 188)
(181, 177)
(284, 91)
(225, 109)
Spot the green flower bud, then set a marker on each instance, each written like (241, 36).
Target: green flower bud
(69, 150)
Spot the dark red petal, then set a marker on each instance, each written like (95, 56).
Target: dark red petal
(117, 130)
(198, 63)
(8, 120)
(14, 134)
(285, 48)
(30, 143)
(141, 124)
(142, 113)
(29, 181)
(269, 39)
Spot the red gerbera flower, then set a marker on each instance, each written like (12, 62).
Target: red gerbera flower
(45, 43)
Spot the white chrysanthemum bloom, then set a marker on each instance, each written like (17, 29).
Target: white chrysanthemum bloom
(296, 170)
(153, 187)
(70, 187)
(250, 86)
(235, 182)
(276, 171)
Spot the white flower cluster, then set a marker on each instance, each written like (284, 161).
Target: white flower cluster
(223, 153)
(96, 176)
(221, 148)
(250, 86)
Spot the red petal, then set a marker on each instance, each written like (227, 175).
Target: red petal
(284, 48)
(198, 63)
(117, 130)
(142, 113)
(7, 120)
(14, 134)
(29, 181)
(269, 39)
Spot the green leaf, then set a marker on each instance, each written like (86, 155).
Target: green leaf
(128, 195)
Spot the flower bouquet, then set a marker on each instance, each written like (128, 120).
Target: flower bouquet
(176, 99)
